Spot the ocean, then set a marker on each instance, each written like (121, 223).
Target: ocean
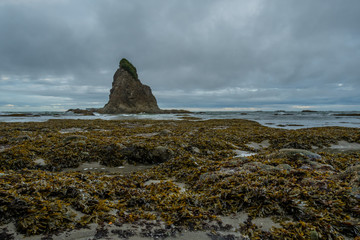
(276, 119)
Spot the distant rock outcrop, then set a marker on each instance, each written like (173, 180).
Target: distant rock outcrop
(128, 94)
(85, 112)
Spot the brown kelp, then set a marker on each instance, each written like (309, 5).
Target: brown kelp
(309, 189)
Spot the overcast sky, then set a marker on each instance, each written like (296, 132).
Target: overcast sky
(194, 54)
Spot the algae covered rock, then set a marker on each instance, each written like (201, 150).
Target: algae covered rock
(128, 94)
(143, 154)
(83, 112)
(256, 166)
(126, 65)
(284, 166)
(300, 152)
(352, 174)
(161, 154)
(74, 138)
(165, 132)
(295, 154)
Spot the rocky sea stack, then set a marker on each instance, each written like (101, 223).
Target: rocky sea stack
(128, 94)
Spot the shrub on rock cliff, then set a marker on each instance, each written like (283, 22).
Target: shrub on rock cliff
(126, 65)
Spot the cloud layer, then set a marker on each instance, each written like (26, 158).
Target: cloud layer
(254, 54)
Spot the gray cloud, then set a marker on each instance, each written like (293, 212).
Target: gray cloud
(194, 54)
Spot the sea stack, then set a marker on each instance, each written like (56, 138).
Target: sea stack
(128, 94)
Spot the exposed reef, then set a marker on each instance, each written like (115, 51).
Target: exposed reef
(82, 112)
(229, 179)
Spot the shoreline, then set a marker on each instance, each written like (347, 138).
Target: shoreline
(177, 176)
(274, 119)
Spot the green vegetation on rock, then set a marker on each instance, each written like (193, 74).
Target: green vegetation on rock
(126, 65)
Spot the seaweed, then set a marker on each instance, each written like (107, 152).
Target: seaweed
(126, 65)
(311, 195)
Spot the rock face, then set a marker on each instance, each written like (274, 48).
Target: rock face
(128, 94)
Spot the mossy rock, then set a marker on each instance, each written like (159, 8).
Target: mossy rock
(126, 65)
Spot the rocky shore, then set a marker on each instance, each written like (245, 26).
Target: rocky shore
(145, 179)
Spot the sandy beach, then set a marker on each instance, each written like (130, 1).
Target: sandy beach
(183, 179)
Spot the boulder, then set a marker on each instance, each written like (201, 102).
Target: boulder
(40, 162)
(320, 166)
(284, 166)
(140, 154)
(212, 177)
(352, 173)
(311, 165)
(165, 132)
(255, 166)
(193, 149)
(161, 154)
(111, 155)
(74, 138)
(291, 152)
(295, 154)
